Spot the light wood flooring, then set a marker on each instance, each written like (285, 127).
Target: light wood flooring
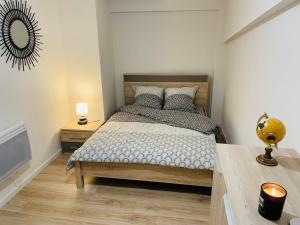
(52, 199)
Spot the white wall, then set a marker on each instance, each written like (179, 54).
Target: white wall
(106, 56)
(168, 37)
(39, 96)
(69, 71)
(162, 5)
(79, 30)
(263, 76)
(240, 13)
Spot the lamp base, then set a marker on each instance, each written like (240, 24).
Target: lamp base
(267, 159)
(82, 121)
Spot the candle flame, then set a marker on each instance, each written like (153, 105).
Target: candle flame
(273, 192)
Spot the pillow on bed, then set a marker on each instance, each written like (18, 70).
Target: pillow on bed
(148, 96)
(181, 99)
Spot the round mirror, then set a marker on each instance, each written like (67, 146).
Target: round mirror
(20, 37)
(19, 34)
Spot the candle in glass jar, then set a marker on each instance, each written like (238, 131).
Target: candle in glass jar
(272, 191)
(271, 201)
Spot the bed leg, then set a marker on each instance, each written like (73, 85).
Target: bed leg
(79, 176)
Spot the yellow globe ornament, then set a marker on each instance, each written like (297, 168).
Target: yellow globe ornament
(271, 131)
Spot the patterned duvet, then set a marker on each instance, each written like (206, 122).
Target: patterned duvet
(149, 142)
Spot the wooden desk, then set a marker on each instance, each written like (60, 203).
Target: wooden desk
(237, 181)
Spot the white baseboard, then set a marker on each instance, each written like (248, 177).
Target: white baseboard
(27, 179)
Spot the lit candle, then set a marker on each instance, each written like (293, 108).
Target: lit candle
(271, 201)
(274, 192)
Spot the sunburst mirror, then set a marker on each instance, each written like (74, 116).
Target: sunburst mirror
(20, 39)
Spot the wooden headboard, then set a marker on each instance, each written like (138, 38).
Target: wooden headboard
(203, 95)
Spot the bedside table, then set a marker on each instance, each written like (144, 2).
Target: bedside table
(221, 138)
(73, 135)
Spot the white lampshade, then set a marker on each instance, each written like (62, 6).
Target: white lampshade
(82, 109)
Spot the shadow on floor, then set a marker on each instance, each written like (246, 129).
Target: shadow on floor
(149, 185)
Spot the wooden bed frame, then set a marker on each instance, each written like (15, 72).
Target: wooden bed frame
(148, 172)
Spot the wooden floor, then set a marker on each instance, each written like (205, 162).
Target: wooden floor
(52, 199)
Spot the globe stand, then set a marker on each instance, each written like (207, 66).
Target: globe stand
(267, 158)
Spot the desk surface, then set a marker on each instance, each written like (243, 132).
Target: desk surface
(243, 177)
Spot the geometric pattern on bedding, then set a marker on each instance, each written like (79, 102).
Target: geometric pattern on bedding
(187, 149)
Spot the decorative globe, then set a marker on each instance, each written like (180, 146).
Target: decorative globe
(270, 130)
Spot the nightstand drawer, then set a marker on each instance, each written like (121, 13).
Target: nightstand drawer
(74, 136)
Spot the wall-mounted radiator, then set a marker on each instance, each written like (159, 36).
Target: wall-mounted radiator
(14, 149)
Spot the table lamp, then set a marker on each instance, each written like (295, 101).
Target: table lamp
(82, 111)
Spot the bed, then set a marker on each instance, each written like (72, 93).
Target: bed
(146, 136)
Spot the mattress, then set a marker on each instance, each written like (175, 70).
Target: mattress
(154, 139)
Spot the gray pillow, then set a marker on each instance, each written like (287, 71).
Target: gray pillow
(148, 96)
(181, 99)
